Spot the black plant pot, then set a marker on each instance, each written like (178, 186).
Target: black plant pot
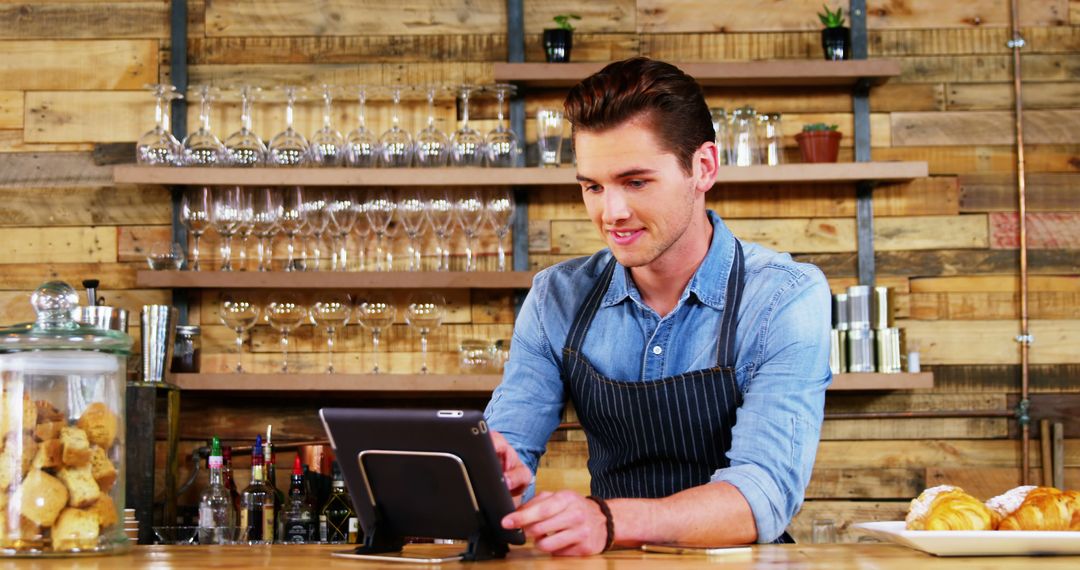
(557, 45)
(837, 43)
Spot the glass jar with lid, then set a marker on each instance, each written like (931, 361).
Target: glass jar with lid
(186, 349)
(62, 388)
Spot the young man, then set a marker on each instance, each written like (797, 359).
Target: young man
(697, 364)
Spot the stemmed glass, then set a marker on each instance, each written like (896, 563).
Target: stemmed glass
(289, 147)
(376, 313)
(440, 210)
(292, 222)
(331, 311)
(432, 146)
(266, 215)
(225, 218)
(467, 144)
(469, 210)
(363, 147)
(379, 209)
(502, 143)
(202, 147)
(285, 312)
(362, 229)
(317, 214)
(396, 143)
(327, 146)
(343, 214)
(424, 314)
(244, 147)
(246, 225)
(412, 211)
(499, 209)
(195, 208)
(239, 312)
(158, 146)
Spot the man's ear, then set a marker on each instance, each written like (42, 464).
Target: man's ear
(705, 165)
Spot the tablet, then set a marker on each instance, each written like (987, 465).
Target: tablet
(422, 473)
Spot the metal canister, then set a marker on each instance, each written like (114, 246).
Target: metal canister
(860, 350)
(840, 313)
(838, 351)
(888, 342)
(859, 306)
(881, 308)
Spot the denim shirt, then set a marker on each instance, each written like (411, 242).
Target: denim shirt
(782, 369)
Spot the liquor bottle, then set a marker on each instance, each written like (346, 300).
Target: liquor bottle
(227, 476)
(340, 517)
(298, 517)
(217, 514)
(271, 479)
(257, 503)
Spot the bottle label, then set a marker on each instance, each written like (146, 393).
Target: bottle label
(323, 529)
(354, 527)
(268, 523)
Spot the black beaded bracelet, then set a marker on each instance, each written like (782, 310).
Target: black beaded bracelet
(610, 521)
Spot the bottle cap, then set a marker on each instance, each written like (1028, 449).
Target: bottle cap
(297, 469)
(257, 451)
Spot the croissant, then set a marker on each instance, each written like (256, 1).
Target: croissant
(1074, 505)
(946, 507)
(1036, 508)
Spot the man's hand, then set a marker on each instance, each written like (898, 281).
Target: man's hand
(515, 473)
(563, 523)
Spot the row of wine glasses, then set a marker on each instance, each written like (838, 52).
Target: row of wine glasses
(313, 216)
(286, 311)
(395, 148)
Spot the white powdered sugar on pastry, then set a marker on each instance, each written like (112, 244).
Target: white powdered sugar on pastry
(1008, 502)
(921, 504)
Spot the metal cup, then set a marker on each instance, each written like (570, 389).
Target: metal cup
(888, 342)
(881, 308)
(861, 350)
(158, 334)
(100, 317)
(859, 306)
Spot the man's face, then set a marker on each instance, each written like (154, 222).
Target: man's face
(636, 193)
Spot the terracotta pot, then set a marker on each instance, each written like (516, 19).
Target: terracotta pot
(819, 146)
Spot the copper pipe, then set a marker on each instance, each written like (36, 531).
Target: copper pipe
(1025, 336)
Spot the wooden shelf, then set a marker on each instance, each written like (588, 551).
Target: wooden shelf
(335, 279)
(404, 384)
(874, 381)
(804, 173)
(743, 74)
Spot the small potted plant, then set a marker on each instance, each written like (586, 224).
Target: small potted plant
(835, 38)
(558, 41)
(819, 142)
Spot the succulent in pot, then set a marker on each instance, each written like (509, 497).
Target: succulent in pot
(559, 41)
(819, 142)
(835, 38)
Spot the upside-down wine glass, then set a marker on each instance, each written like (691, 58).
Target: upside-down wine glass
(327, 146)
(502, 143)
(158, 146)
(440, 210)
(412, 211)
(375, 313)
(331, 311)
(499, 209)
(286, 312)
(266, 215)
(467, 144)
(396, 143)
(244, 147)
(289, 147)
(469, 209)
(195, 208)
(362, 145)
(317, 213)
(239, 312)
(379, 209)
(343, 214)
(292, 222)
(432, 146)
(424, 314)
(202, 147)
(225, 218)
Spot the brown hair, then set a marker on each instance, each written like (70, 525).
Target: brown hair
(670, 101)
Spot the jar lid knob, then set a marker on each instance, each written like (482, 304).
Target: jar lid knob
(53, 303)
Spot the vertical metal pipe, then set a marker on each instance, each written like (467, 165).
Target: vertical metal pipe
(864, 191)
(515, 46)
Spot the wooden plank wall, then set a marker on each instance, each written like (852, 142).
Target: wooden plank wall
(72, 72)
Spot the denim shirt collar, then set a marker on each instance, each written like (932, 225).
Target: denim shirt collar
(708, 285)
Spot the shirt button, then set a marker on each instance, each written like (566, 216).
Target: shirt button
(657, 350)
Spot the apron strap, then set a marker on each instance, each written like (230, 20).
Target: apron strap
(725, 343)
(576, 337)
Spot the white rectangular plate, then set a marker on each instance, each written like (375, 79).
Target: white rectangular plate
(976, 542)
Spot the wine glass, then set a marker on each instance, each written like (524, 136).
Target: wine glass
(327, 146)
(246, 225)
(375, 313)
(158, 146)
(195, 208)
(331, 311)
(467, 144)
(289, 147)
(440, 211)
(343, 214)
(379, 209)
(469, 211)
(362, 229)
(286, 312)
(202, 147)
(396, 143)
(412, 211)
(432, 146)
(225, 217)
(239, 312)
(317, 214)
(502, 143)
(424, 314)
(499, 209)
(266, 215)
(244, 147)
(362, 145)
(292, 221)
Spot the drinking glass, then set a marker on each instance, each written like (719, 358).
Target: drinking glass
(202, 147)
(549, 136)
(343, 214)
(317, 214)
(289, 147)
(440, 210)
(362, 229)
(396, 143)
(502, 143)
(362, 148)
(379, 209)
(266, 216)
(499, 209)
(723, 143)
(244, 147)
(246, 225)
(292, 222)
(823, 531)
(195, 208)
(744, 143)
(158, 146)
(772, 137)
(286, 312)
(469, 211)
(165, 255)
(225, 217)
(331, 311)
(239, 312)
(424, 314)
(432, 146)
(467, 144)
(327, 146)
(412, 211)
(375, 313)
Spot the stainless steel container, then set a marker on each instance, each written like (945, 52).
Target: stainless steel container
(103, 318)
(888, 342)
(841, 317)
(838, 351)
(859, 306)
(860, 350)
(158, 335)
(881, 308)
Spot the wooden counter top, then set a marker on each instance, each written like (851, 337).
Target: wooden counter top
(803, 557)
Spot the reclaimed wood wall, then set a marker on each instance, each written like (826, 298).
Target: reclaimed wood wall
(72, 72)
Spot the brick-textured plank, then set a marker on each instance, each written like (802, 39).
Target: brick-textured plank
(966, 128)
(78, 65)
(1045, 230)
(89, 20)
